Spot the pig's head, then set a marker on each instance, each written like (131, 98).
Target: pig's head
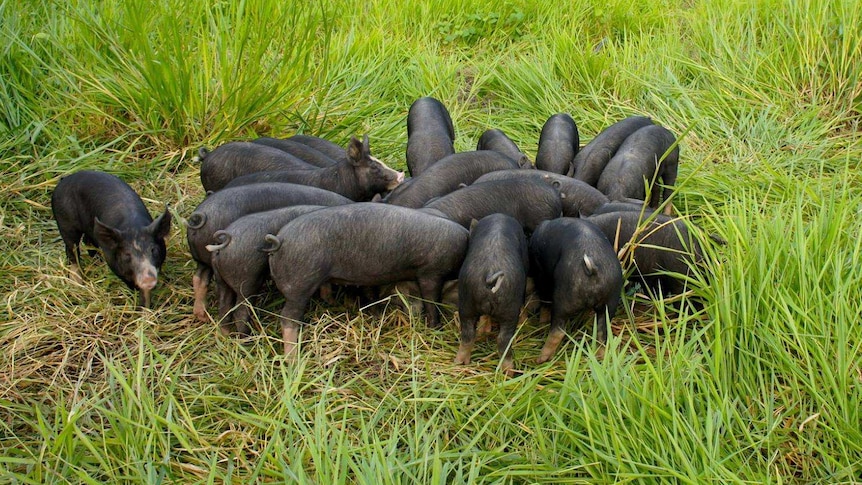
(371, 174)
(137, 254)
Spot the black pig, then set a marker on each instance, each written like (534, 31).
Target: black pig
(364, 244)
(493, 282)
(358, 177)
(447, 175)
(225, 206)
(237, 158)
(638, 163)
(240, 265)
(322, 145)
(496, 140)
(591, 160)
(299, 150)
(528, 201)
(578, 198)
(659, 246)
(430, 134)
(106, 212)
(558, 144)
(576, 268)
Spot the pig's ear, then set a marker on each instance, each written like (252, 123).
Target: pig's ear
(106, 237)
(161, 227)
(354, 151)
(358, 151)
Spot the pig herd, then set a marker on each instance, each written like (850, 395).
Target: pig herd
(309, 214)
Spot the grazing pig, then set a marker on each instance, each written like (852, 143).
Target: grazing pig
(591, 160)
(496, 140)
(638, 164)
(579, 198)
(225, 206)
(322, 145)
(241, 266)
(358, 178)
(447, 175)
(558, 144)
(658, 246)
(528, 201)
(626, 205)
(430, 134)
(108, 213)
(493, 282)
(576, 268)
(299, 150)
(364, 244)
(237, 158)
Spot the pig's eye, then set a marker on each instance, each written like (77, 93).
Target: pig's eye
(127, 257)
(154, 251)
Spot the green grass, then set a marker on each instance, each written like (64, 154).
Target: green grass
(762, 383)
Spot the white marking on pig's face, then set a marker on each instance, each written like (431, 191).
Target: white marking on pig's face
(145, 273)
(393, 177)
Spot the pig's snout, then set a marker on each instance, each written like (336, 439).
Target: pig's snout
(147, 278)
(399, 178)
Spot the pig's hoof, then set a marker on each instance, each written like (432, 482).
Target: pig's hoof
(508, 368)
(462, 359)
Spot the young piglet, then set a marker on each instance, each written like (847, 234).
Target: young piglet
(447, 175)
(493, 282)
(106, 212)
(220, 209)
(241, 266)
(234, 159)
(558, 144)
(496, 140)
(430, 134)
(578, 198)
(661, 248)
(299, 150)
(359, 177)
(576, 268)
(362, 244)
(591, 160)
(528, 201)
(637, 166)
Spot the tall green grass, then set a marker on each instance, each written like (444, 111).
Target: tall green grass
(755, 377)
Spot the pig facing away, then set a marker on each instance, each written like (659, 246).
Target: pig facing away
(638, 165)
(590, 162)
(492, 282)
(430, 134)
(220, 209)
(576, 269)
(240, 265)
(495, 139)
(363, 244)
(359, 177)
(108, 213)
(558, 144)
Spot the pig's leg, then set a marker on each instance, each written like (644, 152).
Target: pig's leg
(430, 290)
(73, 254)
(226, 302)
(555, 337)
(200, 282)
(508, 324)
(669, 181)
(468, 337)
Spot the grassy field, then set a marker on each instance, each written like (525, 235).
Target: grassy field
(764, 385)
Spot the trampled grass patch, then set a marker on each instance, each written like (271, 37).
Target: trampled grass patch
(754, 375)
